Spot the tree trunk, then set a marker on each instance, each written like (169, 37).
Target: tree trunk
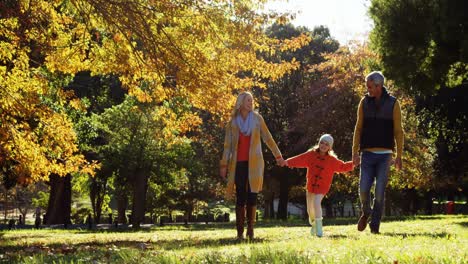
(140, 187)
(269, 212)
(387, 205)
(97, 193)
(328, 208)
(283, 197)
(93, 194)
(268, 197)
(59, 206)
(5, 206)
(122, 202)
(189, 212)
(23, 213)
(428, 200)
(409, 206)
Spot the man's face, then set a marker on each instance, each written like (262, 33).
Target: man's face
(373, 89)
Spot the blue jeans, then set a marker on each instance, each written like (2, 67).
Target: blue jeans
(373, 167)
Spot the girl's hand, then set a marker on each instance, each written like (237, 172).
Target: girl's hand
(281, 162)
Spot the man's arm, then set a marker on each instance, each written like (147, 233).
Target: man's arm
(357, 133)
(398, 134)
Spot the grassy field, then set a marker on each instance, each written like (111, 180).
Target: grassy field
(421, 239)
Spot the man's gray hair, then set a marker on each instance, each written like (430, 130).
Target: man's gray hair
(376, 77)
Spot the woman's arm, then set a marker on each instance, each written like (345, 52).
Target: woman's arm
(227, 151)
(269, 141)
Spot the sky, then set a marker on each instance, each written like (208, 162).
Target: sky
(346, 19)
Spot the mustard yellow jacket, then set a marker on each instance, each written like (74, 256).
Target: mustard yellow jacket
(256, 162)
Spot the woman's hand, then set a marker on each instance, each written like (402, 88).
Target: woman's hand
(281, 162)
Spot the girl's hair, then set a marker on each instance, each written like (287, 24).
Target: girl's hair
(239, 101)
(330, 152)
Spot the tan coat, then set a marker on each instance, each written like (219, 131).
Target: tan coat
(256, 162)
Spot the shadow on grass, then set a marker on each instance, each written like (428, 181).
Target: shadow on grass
(337, 236)
(425, 234)
(266, 223)
(173, 244)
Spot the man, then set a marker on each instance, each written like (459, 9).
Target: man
(378, 126)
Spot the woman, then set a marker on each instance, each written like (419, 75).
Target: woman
(242, 160)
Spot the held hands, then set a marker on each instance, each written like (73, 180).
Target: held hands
(397, 163)
(281, 162)
(223, 169)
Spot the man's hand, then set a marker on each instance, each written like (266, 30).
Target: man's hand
(398, 163)
(356, 160)
(222, 172)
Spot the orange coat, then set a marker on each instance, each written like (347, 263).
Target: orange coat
(320, 169)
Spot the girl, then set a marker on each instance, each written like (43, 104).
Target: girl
(321, 163)
(242, 160)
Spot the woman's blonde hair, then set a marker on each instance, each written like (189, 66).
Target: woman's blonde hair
(239, 101)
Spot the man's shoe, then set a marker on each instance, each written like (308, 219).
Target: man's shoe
(362, 223)
(374, 231)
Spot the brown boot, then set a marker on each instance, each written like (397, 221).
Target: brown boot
(240, 220)
(362, 223)
(251, 214)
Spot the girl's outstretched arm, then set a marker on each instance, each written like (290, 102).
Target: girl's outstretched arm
(299, 161)
(341, 166)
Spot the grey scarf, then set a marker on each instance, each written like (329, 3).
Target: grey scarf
(245, 126)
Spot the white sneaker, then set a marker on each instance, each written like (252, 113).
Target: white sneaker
(318, 226)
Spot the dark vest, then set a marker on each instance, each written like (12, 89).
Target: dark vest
(377, 130)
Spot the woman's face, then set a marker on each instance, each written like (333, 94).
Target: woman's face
(247, 104)
(324, 146)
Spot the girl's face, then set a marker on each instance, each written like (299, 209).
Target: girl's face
(324, 147)
(247, 104)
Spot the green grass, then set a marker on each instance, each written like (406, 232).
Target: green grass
(423, 239)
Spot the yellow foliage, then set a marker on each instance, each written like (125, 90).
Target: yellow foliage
(203, 51)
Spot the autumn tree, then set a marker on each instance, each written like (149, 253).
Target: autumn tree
(96, 94)
(330, 106)
(280, 102)
(424, 49)
(195, 50)
(159, 50)
(37, 138)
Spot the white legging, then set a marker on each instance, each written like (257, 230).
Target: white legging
(314, 206)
